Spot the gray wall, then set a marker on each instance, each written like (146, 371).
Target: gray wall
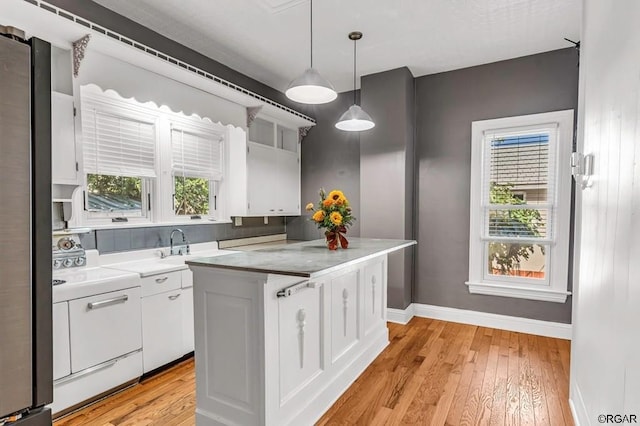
(446, 105)
(114, 240)
(331, 160)
(386, 172)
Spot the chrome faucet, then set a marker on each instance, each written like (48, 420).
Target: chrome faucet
(181, 249)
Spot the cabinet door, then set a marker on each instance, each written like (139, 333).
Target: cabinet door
(261, 180)
(299, 340)
(288, 185)
(104, 327)
(61, 345)
(374, 302)
(187, 320)
(63, 145)
(161, 329)
(345, 305)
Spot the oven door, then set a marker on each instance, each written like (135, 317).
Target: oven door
(104, 327)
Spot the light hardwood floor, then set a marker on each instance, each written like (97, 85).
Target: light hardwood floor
(432, 373)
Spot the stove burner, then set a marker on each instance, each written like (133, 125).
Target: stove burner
(57, 282)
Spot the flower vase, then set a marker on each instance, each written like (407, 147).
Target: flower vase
(335, 238)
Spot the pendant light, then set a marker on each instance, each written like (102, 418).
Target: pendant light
(311, 87)
(355, 119)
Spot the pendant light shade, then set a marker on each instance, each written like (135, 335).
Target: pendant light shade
(311, 87)
(355, 119)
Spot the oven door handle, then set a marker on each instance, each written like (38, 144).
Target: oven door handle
(108, 302)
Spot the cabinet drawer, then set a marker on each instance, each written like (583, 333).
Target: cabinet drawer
(160, 283)
(104, 327)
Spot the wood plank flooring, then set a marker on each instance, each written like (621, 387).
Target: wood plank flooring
(432, 373)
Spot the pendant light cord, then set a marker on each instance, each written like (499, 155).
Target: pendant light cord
(354, 71)
(311, 31)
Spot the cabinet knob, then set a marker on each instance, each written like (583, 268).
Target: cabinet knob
(373, 279)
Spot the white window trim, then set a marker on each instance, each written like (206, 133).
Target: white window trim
(190, 124)
(112, 103)
(160, 188)
(558, 269)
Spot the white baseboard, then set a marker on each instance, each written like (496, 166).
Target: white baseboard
(483, 319)
(400, 316)
(578, 409)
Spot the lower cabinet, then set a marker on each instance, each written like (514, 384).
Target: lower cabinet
(162, 329)
(167, 318)
(188, 338)
(345, 308)
(375, 296)
(300, 333)
(279, 350)
(61, 345)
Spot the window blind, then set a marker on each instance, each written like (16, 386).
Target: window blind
(117, 145)
(196, 154)
(519, 185)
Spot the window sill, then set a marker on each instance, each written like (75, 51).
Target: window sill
(545, 295)
(122, 225)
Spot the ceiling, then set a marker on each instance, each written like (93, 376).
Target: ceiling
(268, 40)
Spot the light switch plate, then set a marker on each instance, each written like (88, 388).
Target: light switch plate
(237, 221)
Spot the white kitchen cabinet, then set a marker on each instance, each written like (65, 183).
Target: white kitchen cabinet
(104, 327)
(375, 299)
(300, 333)
(262, 179)
(161, 329)
(275, 358)
(345, 308)
(61, 344)
(187, 320)
(64, 163)
(266, 170)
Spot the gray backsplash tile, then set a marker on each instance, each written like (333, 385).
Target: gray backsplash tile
(115, 240)
(138, 239)
(122, 239)
(105, 240)
(88, 240)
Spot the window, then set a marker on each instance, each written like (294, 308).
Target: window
(119, 152)
(144, 163)
(520, 206)
(196, 163)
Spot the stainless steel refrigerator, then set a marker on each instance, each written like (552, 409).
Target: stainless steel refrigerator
(26, 382)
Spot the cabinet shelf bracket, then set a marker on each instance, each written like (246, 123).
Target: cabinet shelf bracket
(79, 46)
(302, 132)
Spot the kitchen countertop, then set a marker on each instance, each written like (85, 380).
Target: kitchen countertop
(304, 259)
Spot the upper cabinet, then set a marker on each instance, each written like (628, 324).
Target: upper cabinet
(265, 177)
(63, 146)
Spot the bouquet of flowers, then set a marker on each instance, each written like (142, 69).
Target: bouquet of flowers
(333, 213)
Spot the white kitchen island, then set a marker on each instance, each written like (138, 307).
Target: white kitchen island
(281, 333)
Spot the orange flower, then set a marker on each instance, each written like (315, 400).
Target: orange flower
(337, 197)
(318, 216)
(328, 202)
(336, 218)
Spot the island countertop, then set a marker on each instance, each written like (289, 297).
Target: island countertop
(304, 259)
